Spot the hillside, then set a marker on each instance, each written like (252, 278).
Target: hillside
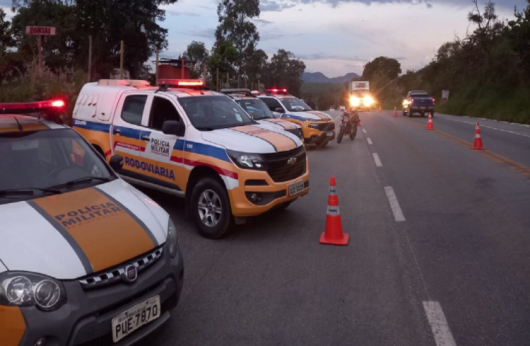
(319, 77)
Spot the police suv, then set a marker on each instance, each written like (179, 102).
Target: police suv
(317, 127)
(193, 143)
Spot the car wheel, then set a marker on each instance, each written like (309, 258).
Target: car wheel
(211, 208)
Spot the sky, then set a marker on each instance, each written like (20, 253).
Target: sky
(336, 37)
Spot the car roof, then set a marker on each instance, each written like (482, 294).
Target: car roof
(23, 123)
(418, 92)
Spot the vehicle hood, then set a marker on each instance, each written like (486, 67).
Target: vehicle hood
(278, 123)
(308, 116)
(260, 139)
(73, 234)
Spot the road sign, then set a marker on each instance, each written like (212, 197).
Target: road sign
(40, 30)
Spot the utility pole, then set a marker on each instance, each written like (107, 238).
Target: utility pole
(89, 58)
(121, 60)
(156, 71)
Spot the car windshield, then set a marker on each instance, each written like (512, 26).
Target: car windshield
(44, 162)
(256, 108)
(208, 113)
(295, 105)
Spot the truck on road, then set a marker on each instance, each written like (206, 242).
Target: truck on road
(360, 97)
(418, 101)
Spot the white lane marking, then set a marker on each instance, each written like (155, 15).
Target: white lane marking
(369, 141)
(394, 204)
(364, 131)
(489, 127)
(377, 160)
(439, 326)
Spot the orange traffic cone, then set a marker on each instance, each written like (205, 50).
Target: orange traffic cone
(380, 110)
(359, 122)
(333, 234)
(430, 125)
(477, 143)
(395, 112)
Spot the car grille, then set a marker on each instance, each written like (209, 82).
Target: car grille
(111, 276)
(297, 132)
(278, 168)
(327, 126)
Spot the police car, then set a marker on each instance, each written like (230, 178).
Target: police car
(259, 111)
(317, 127)
(84, 256)
(196, 144)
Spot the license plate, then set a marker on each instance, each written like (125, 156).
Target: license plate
(329, 133)
(132, 319)
(296, 188)
(422, 108)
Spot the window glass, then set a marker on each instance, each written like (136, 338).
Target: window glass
(161, 111)
(256, 108)
(214, 112)
(133, 109)
(272, 104)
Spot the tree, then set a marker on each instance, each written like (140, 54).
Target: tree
(6, 36)
(256, 65)
(234, 26)
(108, 22)
(197, 53)
(520, 38)
(285, 70)
(223, 58)
(386, 67)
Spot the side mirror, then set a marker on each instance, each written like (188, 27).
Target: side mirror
(173, 127)
(116, 162)
(277, 115)
(279, 110)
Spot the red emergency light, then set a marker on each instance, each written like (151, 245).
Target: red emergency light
(276, 90)
(51, 104)
(183, 83)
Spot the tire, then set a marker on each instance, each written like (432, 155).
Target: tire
(213, 220)
(410, 114)
(353, 132)
(340, 135)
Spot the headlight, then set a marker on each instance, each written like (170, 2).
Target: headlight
(247, 161)
(368, 101)
(24, 289)
(355, 101)
(172, 241)
(313, 126)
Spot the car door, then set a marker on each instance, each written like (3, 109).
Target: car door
(164, 164)
(125, 130)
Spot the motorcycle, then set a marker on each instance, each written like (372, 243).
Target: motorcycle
(348, 125)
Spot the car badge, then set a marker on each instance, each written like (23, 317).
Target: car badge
(131, 273)
(292, 161)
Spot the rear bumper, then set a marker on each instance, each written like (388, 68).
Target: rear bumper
(420, 109)
(86, 318)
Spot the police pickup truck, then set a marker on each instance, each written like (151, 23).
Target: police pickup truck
(197, 144)
(418, 101)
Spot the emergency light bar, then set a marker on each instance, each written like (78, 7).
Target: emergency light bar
(22, 108)
(244, 92)
(183, 83)
(276, 91)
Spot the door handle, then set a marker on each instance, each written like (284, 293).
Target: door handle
(145, 138)
(117, 131)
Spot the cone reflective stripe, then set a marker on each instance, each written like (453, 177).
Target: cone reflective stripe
(395, 112)
(430, 125)
(333, 234)
(477, 143)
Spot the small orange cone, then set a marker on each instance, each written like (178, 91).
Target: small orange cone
(380, 110)
(333, 234)
(359, 122)
(477, 143)
(395, 112)
(430, 125)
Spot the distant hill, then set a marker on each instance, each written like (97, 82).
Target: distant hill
(319, 77)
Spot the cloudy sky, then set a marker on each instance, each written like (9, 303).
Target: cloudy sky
(337, 36)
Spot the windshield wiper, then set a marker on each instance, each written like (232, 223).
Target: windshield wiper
(81, 181)
(26, 192)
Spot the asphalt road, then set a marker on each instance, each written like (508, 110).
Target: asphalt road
(439, 250)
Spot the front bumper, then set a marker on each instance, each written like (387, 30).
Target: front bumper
(317, 136)
(272, 193)
(86, 318)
